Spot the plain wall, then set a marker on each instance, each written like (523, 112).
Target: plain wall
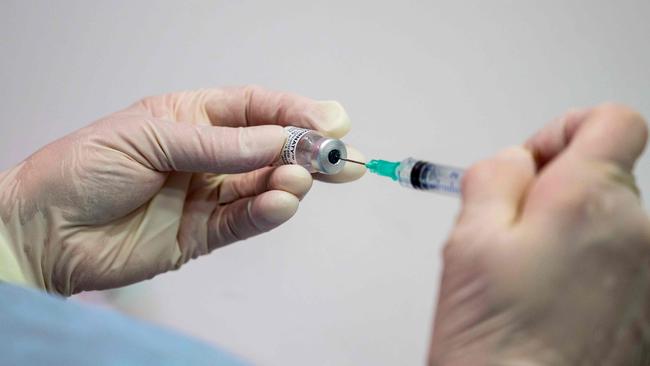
(352, 278)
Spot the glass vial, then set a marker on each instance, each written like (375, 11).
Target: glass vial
(314, 152)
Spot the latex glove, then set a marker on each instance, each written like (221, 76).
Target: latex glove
(549, 262)
(146, 189)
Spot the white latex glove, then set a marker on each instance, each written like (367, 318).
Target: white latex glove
(146, 189)
(549, 262)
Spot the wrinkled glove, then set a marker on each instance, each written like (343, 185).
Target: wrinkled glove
(146, 189)
(549, 262)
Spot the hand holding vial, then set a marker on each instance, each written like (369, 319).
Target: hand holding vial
(146, 189)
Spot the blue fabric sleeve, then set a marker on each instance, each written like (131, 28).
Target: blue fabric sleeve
(40, 329)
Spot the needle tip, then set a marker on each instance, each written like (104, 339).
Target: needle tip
(353, 161)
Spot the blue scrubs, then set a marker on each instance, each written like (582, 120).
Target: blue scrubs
(40, 329)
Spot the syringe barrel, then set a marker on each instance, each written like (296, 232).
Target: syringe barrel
(419, 174)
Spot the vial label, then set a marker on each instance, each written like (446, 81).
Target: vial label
(288, 153)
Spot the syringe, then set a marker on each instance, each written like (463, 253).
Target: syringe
(418, 174)
(323, 155)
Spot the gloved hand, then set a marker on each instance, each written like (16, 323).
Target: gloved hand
(549, 262)
(146, 189)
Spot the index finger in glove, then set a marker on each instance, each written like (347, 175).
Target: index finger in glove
(610, 133)
(254, 106)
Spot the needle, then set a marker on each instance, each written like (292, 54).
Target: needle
(353, 161)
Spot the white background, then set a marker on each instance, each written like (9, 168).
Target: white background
(351, 280)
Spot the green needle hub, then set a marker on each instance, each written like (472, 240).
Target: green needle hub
(384, 168)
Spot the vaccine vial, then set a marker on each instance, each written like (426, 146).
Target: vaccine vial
(314, 152)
